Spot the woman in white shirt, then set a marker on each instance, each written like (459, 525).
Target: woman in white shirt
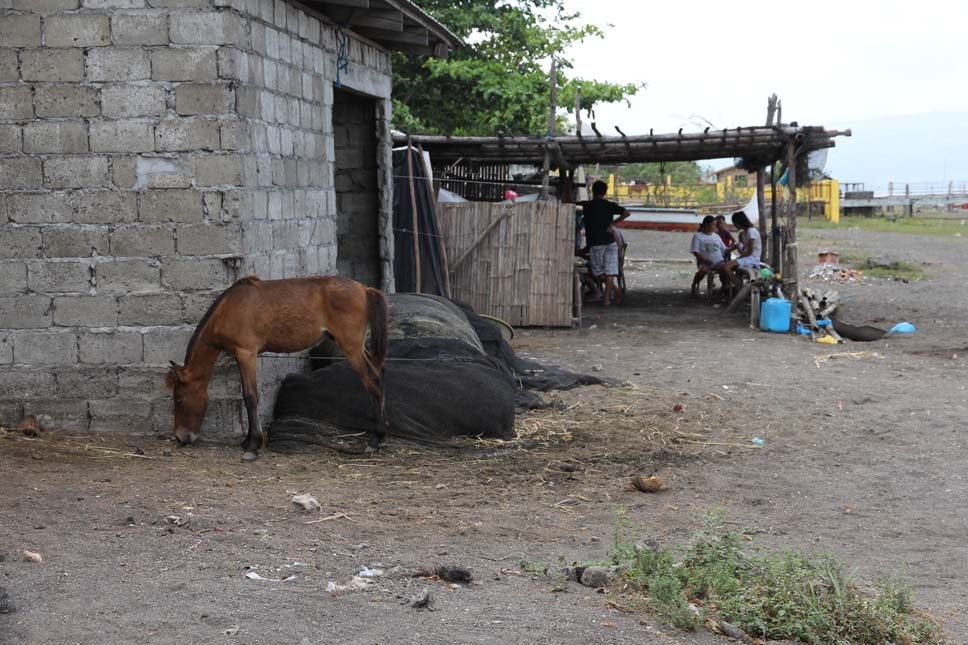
(750, 245)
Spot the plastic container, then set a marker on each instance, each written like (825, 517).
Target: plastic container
(775, 315)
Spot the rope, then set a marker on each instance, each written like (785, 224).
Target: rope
(342, 60)
(407, 230)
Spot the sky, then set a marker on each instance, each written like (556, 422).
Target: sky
(895, 73)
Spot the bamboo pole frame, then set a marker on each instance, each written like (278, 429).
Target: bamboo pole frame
(414, 222)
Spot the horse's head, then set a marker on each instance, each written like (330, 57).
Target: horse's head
(191, 400)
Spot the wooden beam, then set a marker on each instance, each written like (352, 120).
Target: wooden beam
(360, 4)
(758, 132)
(382, 20)
(558, 157)
(409, 36)
(413, 14)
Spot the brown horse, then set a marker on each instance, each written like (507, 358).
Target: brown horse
(254, 316)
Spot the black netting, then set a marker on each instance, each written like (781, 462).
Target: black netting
(404, 221)
(450, 373)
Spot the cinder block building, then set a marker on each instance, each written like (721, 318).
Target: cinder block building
(154, 151)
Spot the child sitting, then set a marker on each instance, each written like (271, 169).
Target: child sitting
(708, 248)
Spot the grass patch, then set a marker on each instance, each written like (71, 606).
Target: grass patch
(882, 268)
(789, 596)
(941, 226)
(899, 270)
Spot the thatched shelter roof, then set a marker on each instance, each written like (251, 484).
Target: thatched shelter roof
(760, 145)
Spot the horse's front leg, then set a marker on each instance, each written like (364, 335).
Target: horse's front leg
(254, 438)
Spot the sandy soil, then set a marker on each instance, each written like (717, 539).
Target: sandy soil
(864, 457)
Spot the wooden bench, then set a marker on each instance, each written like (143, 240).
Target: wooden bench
(752, 280)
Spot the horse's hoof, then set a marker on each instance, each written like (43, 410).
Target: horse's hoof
(370, 449)
(250, 455)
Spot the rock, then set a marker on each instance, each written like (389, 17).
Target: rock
(307, 502)
(732, 631)
(595, 577)
(422, 600)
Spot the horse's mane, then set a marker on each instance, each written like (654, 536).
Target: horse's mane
(208, 314)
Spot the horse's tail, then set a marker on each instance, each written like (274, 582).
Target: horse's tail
(376, 304)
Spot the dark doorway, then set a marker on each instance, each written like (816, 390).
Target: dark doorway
(357, 196)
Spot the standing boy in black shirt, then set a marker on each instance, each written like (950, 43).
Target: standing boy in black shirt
(599, 214)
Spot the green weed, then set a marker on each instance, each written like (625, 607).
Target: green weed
(789, 596)
(900, 269)
(897, 270)
(941, 226)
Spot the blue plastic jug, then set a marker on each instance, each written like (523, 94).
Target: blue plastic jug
(775, 315)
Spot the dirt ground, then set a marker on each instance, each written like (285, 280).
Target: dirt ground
(864, 457)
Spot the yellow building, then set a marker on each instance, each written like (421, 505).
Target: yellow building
(733, 186)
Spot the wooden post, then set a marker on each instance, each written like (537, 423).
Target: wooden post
(790, 271)
(578, 111)
(761, 183)
(546, 168)
(761, 206)
(566, 190)
(775, 260)
(416, 228)
(436, 214)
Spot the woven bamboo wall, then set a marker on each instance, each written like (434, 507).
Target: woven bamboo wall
(522, 271)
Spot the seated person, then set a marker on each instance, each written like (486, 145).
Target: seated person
(708, 248)
(724, 234)
(749, 245)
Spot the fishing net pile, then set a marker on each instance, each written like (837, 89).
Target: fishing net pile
(450, 373)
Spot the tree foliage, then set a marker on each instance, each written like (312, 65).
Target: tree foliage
(682, 172)
(499, 80)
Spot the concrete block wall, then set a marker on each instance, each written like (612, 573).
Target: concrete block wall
(287, 72)
(151, 152)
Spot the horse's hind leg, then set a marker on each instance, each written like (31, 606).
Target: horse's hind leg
(373, 384)
(254, 438)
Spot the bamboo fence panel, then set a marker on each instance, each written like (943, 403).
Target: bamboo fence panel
(522, 270)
